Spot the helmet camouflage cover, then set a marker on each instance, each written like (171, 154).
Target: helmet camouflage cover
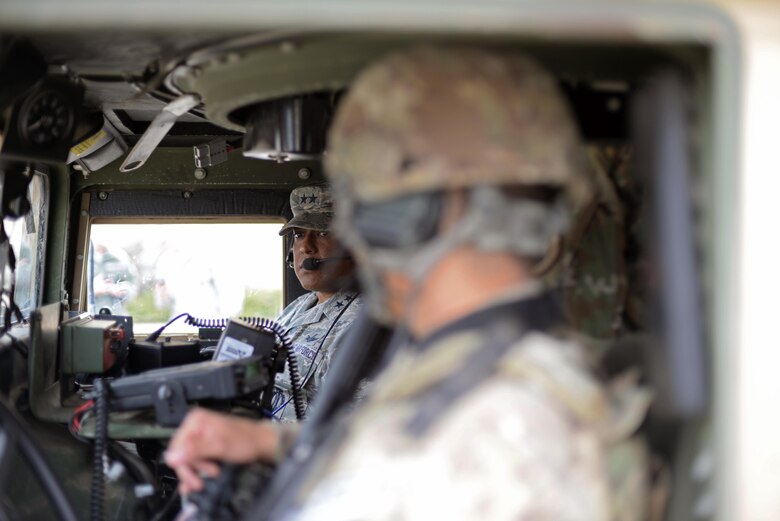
(433, 118)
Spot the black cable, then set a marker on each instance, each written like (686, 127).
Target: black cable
(281, 334)
(37, 461)
(154, 335)
(295, 385)
(322, 342)
(358, 356)
(136, 468)
(75, 434)
(101, 435)
(292, 363)
(311, 367)
(204, 322)
(140, 473)
(223, 322)
(166, 508)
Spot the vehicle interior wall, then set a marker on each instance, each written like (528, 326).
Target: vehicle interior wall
(167, 187)
(604, 269)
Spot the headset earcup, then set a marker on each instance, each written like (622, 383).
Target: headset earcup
(289, 258)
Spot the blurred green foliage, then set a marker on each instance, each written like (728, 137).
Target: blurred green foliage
(262, 303)
(257, 303)
(142, 308)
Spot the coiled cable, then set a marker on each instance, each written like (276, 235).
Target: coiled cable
(312, 367)
(259, 323)
(101, 435)
(296, 383)
(274, 327)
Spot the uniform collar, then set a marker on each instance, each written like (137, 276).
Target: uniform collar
(312, 311)
(528, 304)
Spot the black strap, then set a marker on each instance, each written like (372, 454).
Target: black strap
(363, 349)
(502, 327)
(482, 363)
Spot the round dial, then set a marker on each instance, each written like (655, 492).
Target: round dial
(45, 118)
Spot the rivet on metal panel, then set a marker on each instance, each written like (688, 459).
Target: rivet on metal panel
(304, 173)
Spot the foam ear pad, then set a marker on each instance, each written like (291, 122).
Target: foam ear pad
(400, 223)
(289, 258)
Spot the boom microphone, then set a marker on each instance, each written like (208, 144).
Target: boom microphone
(312, 264)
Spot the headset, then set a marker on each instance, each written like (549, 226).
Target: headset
(312, 264)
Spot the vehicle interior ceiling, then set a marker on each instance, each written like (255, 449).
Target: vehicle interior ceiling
(605, 270)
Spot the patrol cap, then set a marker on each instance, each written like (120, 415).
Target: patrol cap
(312, 208)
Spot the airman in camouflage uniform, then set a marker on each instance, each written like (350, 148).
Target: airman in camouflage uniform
(315, 328)
(316, 324)
(316, 332)
(489, 414)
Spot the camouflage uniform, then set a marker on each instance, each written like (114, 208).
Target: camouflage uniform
(533, 437)
(491, 417)
(597, 272)
(315, 330)
(307, 324)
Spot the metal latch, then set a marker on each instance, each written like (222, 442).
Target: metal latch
(211, 153)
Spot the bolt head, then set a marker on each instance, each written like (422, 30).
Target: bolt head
(200, 174)
(103, 196)
(187, 195)
(304, 173)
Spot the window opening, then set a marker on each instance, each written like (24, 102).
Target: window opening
(27, 239)
(155, 271)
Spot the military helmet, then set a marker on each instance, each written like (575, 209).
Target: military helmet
(431, 118)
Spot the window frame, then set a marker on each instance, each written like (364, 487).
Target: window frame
(86, 283)
(37, 277)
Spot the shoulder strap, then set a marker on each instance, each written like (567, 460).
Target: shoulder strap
(539, 313)
(475, 368)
